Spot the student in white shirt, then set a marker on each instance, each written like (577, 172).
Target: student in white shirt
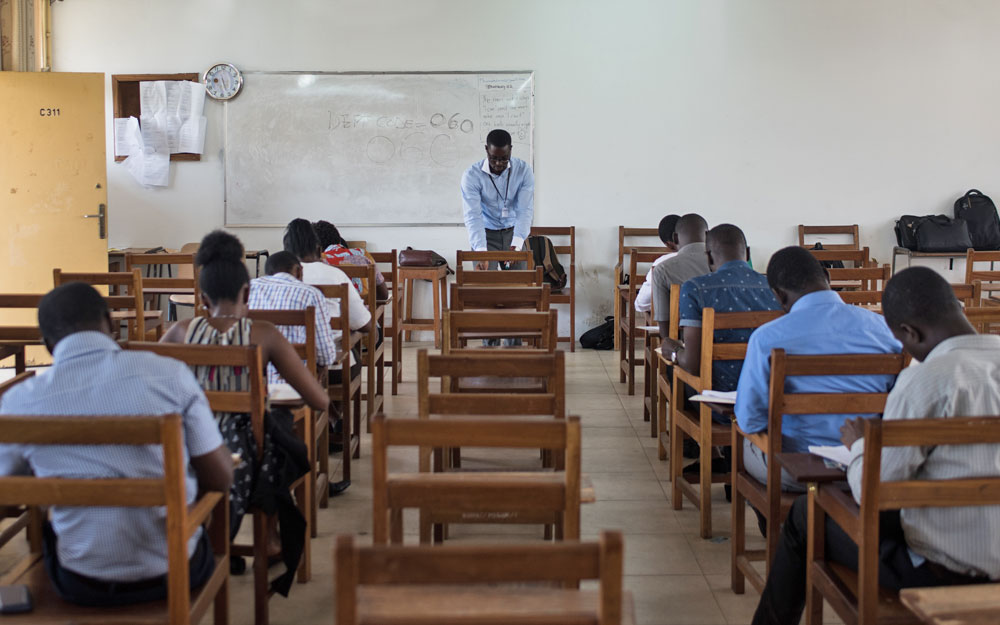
(644, 298)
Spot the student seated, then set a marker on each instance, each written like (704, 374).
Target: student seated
(817, 321)
(225, 286)
(644, 298)
(689, 262)
(731, 287)
(959, 376)
(111, 556)
(335, 252)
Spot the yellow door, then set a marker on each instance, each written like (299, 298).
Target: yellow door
(52, 177)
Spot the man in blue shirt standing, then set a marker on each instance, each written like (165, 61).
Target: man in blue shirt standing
(498, 198)
(816, 322)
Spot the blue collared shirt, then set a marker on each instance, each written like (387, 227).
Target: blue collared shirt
(92, 375)
(498, 202)
(818, 323)
(733, 287)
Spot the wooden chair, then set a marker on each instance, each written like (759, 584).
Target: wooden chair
(628, 329)
(373, 352)
(14, 339)
(699, 425)
(535, 298)
(627, 241)
(511, 277)
(392, 329)
(538, 329)
(185, 284)
(664, 377)
(857, 597)
(567, 294)
(183, 605)
(252, 401)
(481, 584)
(986, 319)
(820, 231)
(990, 278)
(128, 308)
(542, 498)
(348, 392)
(768, 497)
(319, 477)
(968, 294)
(858, 258)
(871, 278)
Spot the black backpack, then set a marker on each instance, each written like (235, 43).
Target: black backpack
(544, 254)
(601, 337)
(980, 215)
(827, 264)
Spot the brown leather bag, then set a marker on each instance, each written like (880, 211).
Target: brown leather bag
(420, 258)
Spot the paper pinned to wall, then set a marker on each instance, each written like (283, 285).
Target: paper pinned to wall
(149, 159)
(122, 144)
(177, 107)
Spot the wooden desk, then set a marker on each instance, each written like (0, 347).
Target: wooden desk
(910, 255)
(809, 468)
(978, 604)
(438, 277)
(256, 255)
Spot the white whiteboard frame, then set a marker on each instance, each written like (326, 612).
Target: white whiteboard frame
(225, 140)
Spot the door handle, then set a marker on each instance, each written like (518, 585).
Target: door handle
(101, 216)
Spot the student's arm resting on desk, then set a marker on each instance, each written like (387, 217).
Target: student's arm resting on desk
(525, 209)
(210, 458)
(689, 309)
(472, 211)
(753, 387)
(289, 365)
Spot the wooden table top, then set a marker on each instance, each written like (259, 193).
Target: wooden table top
(978, 604)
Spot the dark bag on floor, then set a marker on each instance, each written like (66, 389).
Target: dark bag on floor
(938, 233)
(601, 337)
(980, 214)
(544, 254)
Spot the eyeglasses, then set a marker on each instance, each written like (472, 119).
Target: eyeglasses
(498, 159)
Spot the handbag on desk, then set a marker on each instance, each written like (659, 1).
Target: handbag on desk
(933, 233)
(420, 258)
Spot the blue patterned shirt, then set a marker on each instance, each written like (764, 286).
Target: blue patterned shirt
(818, 323)
(92, 375)
(733, 287)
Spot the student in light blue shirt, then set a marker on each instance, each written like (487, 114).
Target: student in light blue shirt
(816, 322)
(498, 197)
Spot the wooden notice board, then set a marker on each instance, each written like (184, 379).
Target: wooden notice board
(125, 96)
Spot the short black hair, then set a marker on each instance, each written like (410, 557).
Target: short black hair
(692, 224)
(281, 262)
(328, 234)
(70, 308)
(666, 227)
(795, 269)
(300, 238)
(727, 236)
(223, 272)
(919, 295)
(498, 138)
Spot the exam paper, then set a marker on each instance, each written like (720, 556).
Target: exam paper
(838, 453)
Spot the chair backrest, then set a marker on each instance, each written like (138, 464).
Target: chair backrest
(493, 297)
(466, 566)
(303, 318)
(627, 242)
(187, 273)
(485, 491)
(531, 276)
(130, 280)
(640, 263)
(6, 385)
(366, 273)
(712, 351)
(132, 492)
(252, 401)
(568, 250)
(986, 319)
(389, 262)
(989, 277)
(861, 278)
(810, 231)
(340, 323)
(20, 309)
(968, 294)
(860, 258)
(539, 328)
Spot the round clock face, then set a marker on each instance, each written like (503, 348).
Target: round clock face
(223, 81)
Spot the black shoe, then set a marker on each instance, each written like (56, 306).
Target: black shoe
(237, 565)
(338, 488)
(719, 465)
(336, 437)
(761, 522)
(690, 448)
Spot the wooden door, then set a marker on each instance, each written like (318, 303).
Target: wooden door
(52, 175)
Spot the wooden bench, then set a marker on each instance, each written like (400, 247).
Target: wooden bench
(538, 329)
(373, 352)
(856, 596)
(392, 330)
(182, 606)
(978, 604)
(699, 425)
(506, 277)
(823, 231)
(535, 298)
(567, 294)
(538, 497)
(626, 242)
(628, 328)
(481, 584)
(768, 498)
(142, 324)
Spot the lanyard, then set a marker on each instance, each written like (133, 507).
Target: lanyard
(506, 191)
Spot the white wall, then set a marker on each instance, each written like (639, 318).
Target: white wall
(766, 113)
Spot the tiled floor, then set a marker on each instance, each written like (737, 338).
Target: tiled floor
(676, 577)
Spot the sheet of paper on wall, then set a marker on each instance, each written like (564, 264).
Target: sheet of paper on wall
(149, 160)
(177, 107)
(122, 143)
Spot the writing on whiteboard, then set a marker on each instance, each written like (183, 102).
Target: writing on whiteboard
(505, 103)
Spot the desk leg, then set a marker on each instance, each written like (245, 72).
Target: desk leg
(436, 299)
(20, 364)
(408, 290)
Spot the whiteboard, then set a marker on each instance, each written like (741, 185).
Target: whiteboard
(365, 149)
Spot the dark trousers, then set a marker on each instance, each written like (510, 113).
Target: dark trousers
(784, 596)
(83, 590)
